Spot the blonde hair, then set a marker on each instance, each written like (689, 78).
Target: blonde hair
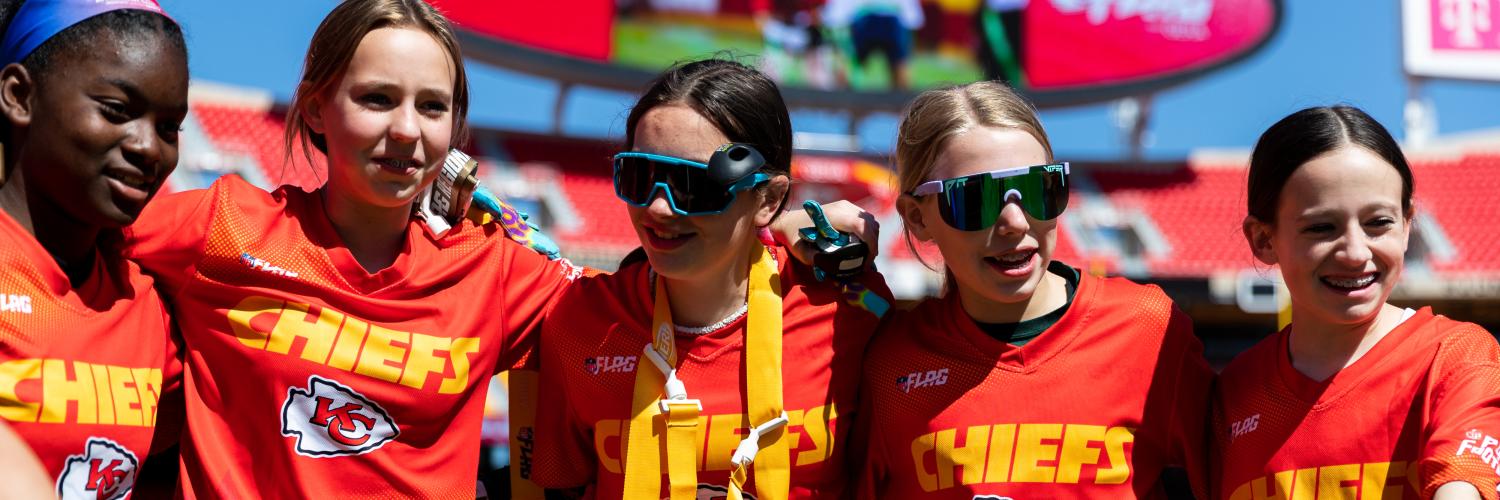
(333, 46)
(936, 116)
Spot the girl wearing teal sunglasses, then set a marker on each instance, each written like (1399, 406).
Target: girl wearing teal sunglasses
(716, 367)
(1026, 378)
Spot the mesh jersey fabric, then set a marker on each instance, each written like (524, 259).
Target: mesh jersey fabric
(593, 343)
(306, 374)
(1096, 407)
(82, 370)
(1416, 411)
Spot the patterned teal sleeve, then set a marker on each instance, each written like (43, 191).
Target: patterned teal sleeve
(517, 224)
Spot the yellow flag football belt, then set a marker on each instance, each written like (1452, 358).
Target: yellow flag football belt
(672, 438)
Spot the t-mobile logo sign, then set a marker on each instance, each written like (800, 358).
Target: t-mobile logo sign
(1464, 24)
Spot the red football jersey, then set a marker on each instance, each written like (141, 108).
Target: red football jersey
(591, 348)
(81, 369)
(1418, 410)
(308, 376)
(1096, 407)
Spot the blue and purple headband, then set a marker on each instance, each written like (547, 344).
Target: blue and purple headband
(39, 20)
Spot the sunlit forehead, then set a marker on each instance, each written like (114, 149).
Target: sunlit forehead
(986, 149)
(1349, 182)
(402, 59)
(678, 131)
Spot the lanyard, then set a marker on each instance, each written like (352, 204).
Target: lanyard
(660, 392)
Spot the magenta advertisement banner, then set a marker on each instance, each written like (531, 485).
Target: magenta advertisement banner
(1092, 42)
(874, 54)
(1464, 24)
(1451, 38)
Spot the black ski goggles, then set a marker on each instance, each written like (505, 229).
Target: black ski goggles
(692, 188)
(974, 202)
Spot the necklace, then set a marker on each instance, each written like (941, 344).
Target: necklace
(700, 330)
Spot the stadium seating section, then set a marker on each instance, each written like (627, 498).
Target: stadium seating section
(1196, 206)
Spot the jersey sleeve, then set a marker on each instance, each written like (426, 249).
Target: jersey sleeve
(1189, 432)
(1463, 414)
(563, 456)
(167, 239)
(533, 285)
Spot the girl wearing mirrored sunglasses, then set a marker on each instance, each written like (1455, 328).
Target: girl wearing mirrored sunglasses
(1026, 378)
(717, 367)
(1356, 397)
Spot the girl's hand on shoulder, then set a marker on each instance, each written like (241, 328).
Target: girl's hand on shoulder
(842, 215)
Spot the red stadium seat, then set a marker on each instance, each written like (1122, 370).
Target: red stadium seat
(1461, 196)
(257, 133)
(1198, 209)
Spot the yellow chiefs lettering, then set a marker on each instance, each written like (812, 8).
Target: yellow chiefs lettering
(808, 431)
(348, 343)
(99, 394)
(1375, 480)
(1022, 453)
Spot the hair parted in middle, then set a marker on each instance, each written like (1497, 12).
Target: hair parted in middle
(1307, 134)
(938, 115)
(740, 101)
(333, 46)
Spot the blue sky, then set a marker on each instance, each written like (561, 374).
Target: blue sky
(1328, 51)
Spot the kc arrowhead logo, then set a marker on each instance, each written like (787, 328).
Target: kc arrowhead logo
(105, 471)
(330, 419)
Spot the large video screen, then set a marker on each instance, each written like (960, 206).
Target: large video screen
(1081, 49)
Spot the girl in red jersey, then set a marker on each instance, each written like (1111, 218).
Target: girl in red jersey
(1356, 398)
(1027, 378)
(93, 94)
(335, 342)
(717, 367)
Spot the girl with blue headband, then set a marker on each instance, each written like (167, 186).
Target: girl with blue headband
(334, 340)
(93, 94)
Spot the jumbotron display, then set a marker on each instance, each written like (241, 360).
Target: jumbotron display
(1060, 52)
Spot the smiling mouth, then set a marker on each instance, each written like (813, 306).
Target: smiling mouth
(662, 239)
(1351, 284)
(398, 165)
(1011, 260)
(130, 179)
(667, 235)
